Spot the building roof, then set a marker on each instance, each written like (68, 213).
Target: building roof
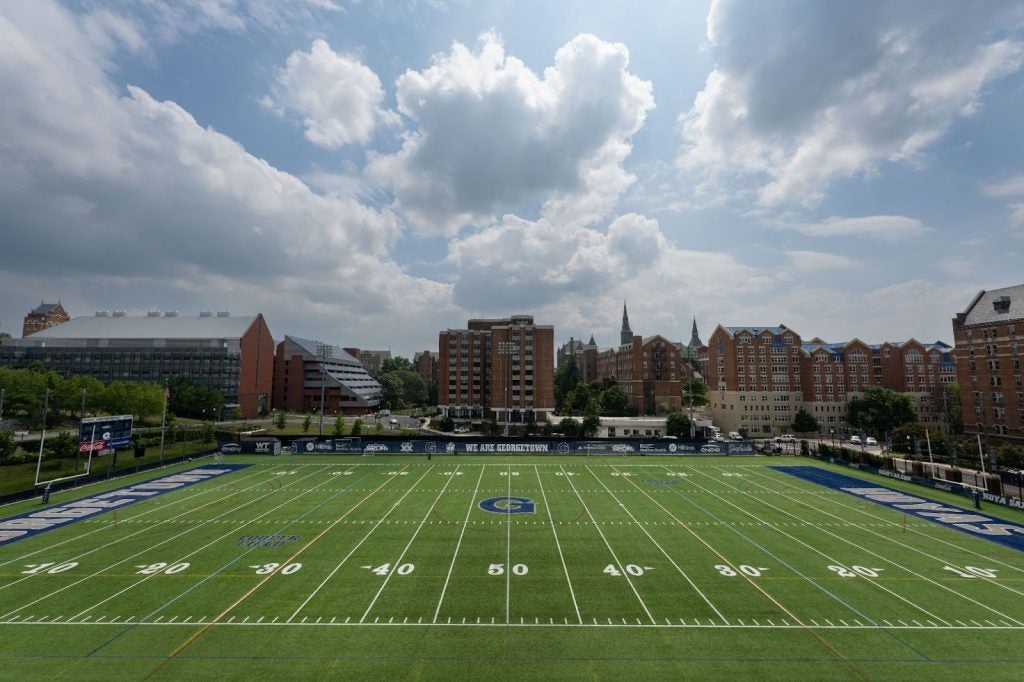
(757, 330)
(316, 348)
(44, 308)
(148, 327)
(996, 305)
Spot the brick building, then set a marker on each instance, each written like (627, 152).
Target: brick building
(424, 363)
(305, 370)
(650, 370)
(760, 377)
(44, 316)
(989, 341)
(499, 369)
(231, 354)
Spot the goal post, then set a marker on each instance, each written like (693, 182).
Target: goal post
(96, 436)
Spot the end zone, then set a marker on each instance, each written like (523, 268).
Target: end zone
(979, 525)
(18, 527)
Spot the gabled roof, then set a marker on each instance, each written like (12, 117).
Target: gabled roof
(44, 308)
(997, 305)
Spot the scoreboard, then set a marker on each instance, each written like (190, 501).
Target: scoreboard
(104, 433)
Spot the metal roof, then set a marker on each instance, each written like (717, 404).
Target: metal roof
(148, 327)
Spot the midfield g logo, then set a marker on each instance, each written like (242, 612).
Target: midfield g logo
(508, 505)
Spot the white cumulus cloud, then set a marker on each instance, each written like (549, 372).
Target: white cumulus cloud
(886, 228)
(336, 96)
(491, 134)
(807, 93)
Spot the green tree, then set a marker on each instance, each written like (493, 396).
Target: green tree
(148, 402)
(696, 390)
(615, 403)
(7, 446)
(880, 411)
(395, 364)
(590, 424)
(306, 423)
(60, 446)
(281, 420)
(569, 427)
(392, 391)
(357, 427)
(677, 424)
(580, 399)
(339, 425)
(209, 434)
(805, 422)
(566, 378)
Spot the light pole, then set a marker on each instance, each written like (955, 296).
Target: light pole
(323, 352)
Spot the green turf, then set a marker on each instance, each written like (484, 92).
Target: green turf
(648, 568)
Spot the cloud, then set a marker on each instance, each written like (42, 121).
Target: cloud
(887, 228)
(815, 261)
(957, 266)
(170, 20)
(127, 201)
(336, 96)
(492, 134)
(579, 276)
(1011, 187)
(808, 93)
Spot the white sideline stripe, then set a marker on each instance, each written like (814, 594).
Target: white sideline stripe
(914, 573)
(398, 562)
(558, 544)
(660, 548)
(358, 545)
(140, 553)
(525, 624)
(458, 545)
(600, 532)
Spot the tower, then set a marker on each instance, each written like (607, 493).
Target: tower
(695, 341)
(626, 335)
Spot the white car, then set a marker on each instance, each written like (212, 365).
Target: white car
(870, 441)
(785, 438)
(461, 429)
(855, 440)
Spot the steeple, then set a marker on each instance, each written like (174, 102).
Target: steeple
(626, 335)
(695, 341)
(592, 342)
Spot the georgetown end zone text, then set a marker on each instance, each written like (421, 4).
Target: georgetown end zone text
(25, 525)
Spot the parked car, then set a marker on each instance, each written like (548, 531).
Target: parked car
(785, 438)
(461, 429)
(735, 435)
(870, 441)
(855, 440)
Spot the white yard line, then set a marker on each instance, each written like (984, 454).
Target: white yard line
(140, 553)
(458, 545)
(889, 561)
(833, 501)
(660, 548)
(508, 552)
(621, 567)
(860, 547)
(558, 544)
(357, 546)
(398, 562)
(180, 559)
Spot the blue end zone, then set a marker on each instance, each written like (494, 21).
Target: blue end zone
(978, 525)
(26, 525)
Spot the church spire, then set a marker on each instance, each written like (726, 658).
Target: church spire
(695, 341)
(626, 335)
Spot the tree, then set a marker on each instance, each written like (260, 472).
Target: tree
(566, 378)
(804, 422)
(615, 403)
(696, 390)
(569, 427)
(306, 423)
(395, 364)
(580, 399)
(339, 426)
(61, 446)
(880, 410)
(7, 445)
(392, 391)
(280, 420)
(591, 423)
(678, 425)
(357, 427)
(209, 434)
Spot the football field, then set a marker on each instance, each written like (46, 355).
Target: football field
(535, 567)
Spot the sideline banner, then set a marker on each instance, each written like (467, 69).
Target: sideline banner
(26, 525)
(979, 525)
(498, 446)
